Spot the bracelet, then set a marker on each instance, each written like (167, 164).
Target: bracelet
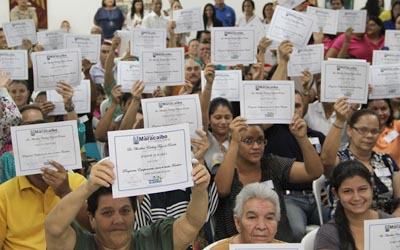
(337, 126)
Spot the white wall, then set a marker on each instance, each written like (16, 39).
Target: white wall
(80, 12)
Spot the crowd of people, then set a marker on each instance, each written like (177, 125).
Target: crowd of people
(252, 182)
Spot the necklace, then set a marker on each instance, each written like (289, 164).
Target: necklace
(110, 17)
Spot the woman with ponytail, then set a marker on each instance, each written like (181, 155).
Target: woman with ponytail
(352, 186)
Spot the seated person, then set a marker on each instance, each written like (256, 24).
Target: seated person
(26, 200)
(256, 214)
(352, 185)
(113, 219)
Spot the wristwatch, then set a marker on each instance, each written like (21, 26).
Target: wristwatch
(69, 108)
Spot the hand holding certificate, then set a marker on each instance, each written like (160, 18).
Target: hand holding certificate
(267, 101)
(232, 46)
(171, 110)
(308, 58)
(382, 234)
(188, 20)
(344, 78)
(226, 84)
(51, 40)
(81, 99)
(16, 31)
(355, 19)
(35, 145)
(128, 73)
(392, 39)
(51, 67)
(150, 160)
(385, 57)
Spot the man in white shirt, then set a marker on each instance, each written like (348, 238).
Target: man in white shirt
(155, 20)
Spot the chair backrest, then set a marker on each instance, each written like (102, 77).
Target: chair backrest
(308, 240)
(318, 185)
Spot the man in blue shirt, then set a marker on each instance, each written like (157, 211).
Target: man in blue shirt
(225, 13)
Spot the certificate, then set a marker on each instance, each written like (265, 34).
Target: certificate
(355, 19)
(162, 67)
(226, 84)
(385, 81)
(267, 101)
(171, 110)
(81, 99)
(291, 25)
(392, 39)
(188, 20)
(35, 145)
(51, 67)
(324, 19)
(232, 46)
(290, 4)
(286, 246)
(147, 39)
(384, 57)
(51, 40)
(89, 45)
(348, 78)
(382, 234)
(150, 160)
(258, 26)
(14, 63)
(308, 58)
(275, 44)
(16, 31)
(127, 73)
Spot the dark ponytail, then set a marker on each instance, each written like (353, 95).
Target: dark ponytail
(345, 236)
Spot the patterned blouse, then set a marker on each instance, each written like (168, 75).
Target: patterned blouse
(11, 117)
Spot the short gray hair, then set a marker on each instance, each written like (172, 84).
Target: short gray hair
(259, 191)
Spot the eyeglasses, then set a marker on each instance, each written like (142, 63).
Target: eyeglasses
(364, 131)
(251, 141)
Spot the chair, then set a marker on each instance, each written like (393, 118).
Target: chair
(308, 240)
(318, 185)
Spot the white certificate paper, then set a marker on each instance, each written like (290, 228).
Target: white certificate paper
(392, 39)
(171, 110)
(226, 84)
(89, 45)
(162, 67)
(147, 39)
(290, 4)
(81, 99)
(382, 234)
(286, 246)
(188, 20)
(308, 58)
(324, 19)
(14, 63)
(51, 67)
(355, 19)
(385, 57)
(385, 81)
(291, 25)
(348, 78)
(267, 101)
(150, 160)
(127, 73)
(34, 145)
(233, 46)
(16, 31)
(51, 40)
